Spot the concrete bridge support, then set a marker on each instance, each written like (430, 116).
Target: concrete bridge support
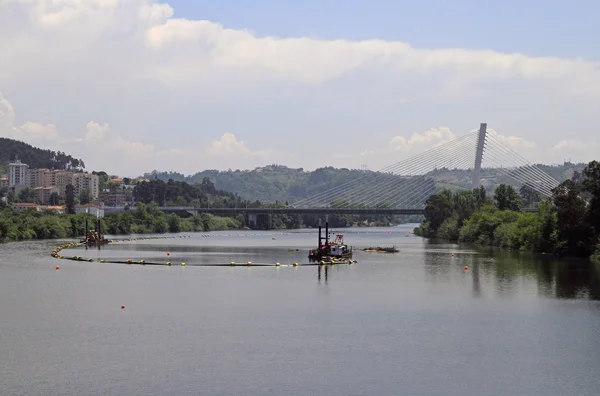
(479, 155)
(252, 220)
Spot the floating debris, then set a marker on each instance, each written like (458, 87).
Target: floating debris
(379, 249)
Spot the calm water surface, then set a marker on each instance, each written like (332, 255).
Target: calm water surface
(413, 322)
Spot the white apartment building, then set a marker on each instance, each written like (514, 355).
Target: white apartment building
(86, 181)
(18, 174)
(94, 210)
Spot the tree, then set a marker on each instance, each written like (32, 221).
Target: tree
(27, 195)
(573, 236)
(507, 198)
(544, 239)
(54, 199)
(174, 223)
(102, 179)
(70, 199)
(207, 186)
(529, 196)
(438, 208)
(84, 197)
(591, 185)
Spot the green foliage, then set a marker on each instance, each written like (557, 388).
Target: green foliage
(54, 199)
(70, 199)
(30, 224)
(36, 158)
(565, 224)
(530, 198)
(448, 230)
(591, 185)
(573, 232)
(26, 195)
(84, 197)
(273, 183)
(450, 209)
(277, 183)
(596, 255)
(507, 198)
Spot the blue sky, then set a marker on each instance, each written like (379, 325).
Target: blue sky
(135, 85)
(534, 27)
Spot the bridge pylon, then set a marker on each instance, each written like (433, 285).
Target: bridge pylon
(479, 155)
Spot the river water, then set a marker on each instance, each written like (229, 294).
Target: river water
(410, 323)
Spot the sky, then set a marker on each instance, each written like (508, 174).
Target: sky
(131, 86)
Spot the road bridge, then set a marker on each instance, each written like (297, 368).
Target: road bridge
(286, 211)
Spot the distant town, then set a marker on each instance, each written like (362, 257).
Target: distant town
(47, 189)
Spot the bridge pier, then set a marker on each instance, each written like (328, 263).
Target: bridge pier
(479, 155)
(252, 220)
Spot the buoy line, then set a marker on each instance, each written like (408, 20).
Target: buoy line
(248, 264)
(56, 254)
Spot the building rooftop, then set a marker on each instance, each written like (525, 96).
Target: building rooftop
(17, 163)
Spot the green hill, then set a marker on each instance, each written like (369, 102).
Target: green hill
(272, 183)
(278, 183)
(35, 157)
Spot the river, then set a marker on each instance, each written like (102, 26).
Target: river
(415, 322)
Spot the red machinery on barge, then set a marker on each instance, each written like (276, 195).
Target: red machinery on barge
(328, 250)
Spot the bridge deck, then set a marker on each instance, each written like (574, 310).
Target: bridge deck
(290, 211)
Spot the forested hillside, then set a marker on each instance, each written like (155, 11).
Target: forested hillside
(35, 157)
(277, 183)
(273, 183)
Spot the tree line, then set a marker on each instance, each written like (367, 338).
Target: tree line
(11, 150)
(48, 224)
(567, 223)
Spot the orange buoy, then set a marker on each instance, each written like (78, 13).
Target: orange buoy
(452, 254)
(57, 267)
(466, 267)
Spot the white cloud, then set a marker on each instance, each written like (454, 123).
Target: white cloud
(169, 87)
(403, 147)
(30, 132)
(96, 131)
(148, 28)
(514, 142)
(420, 141)
(574, 150)
(110, 151)
(228, 145)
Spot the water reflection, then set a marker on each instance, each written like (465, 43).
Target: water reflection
(320, 269)
(476, 283)
(508, 273)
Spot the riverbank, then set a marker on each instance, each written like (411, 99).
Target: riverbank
(145, 219)
(22, 225)
(564, 224)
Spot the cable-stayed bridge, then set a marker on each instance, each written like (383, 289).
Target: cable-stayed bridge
(462, 163)
(477, 158)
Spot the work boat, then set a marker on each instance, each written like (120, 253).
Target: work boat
(328, 250)
(94, 238)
